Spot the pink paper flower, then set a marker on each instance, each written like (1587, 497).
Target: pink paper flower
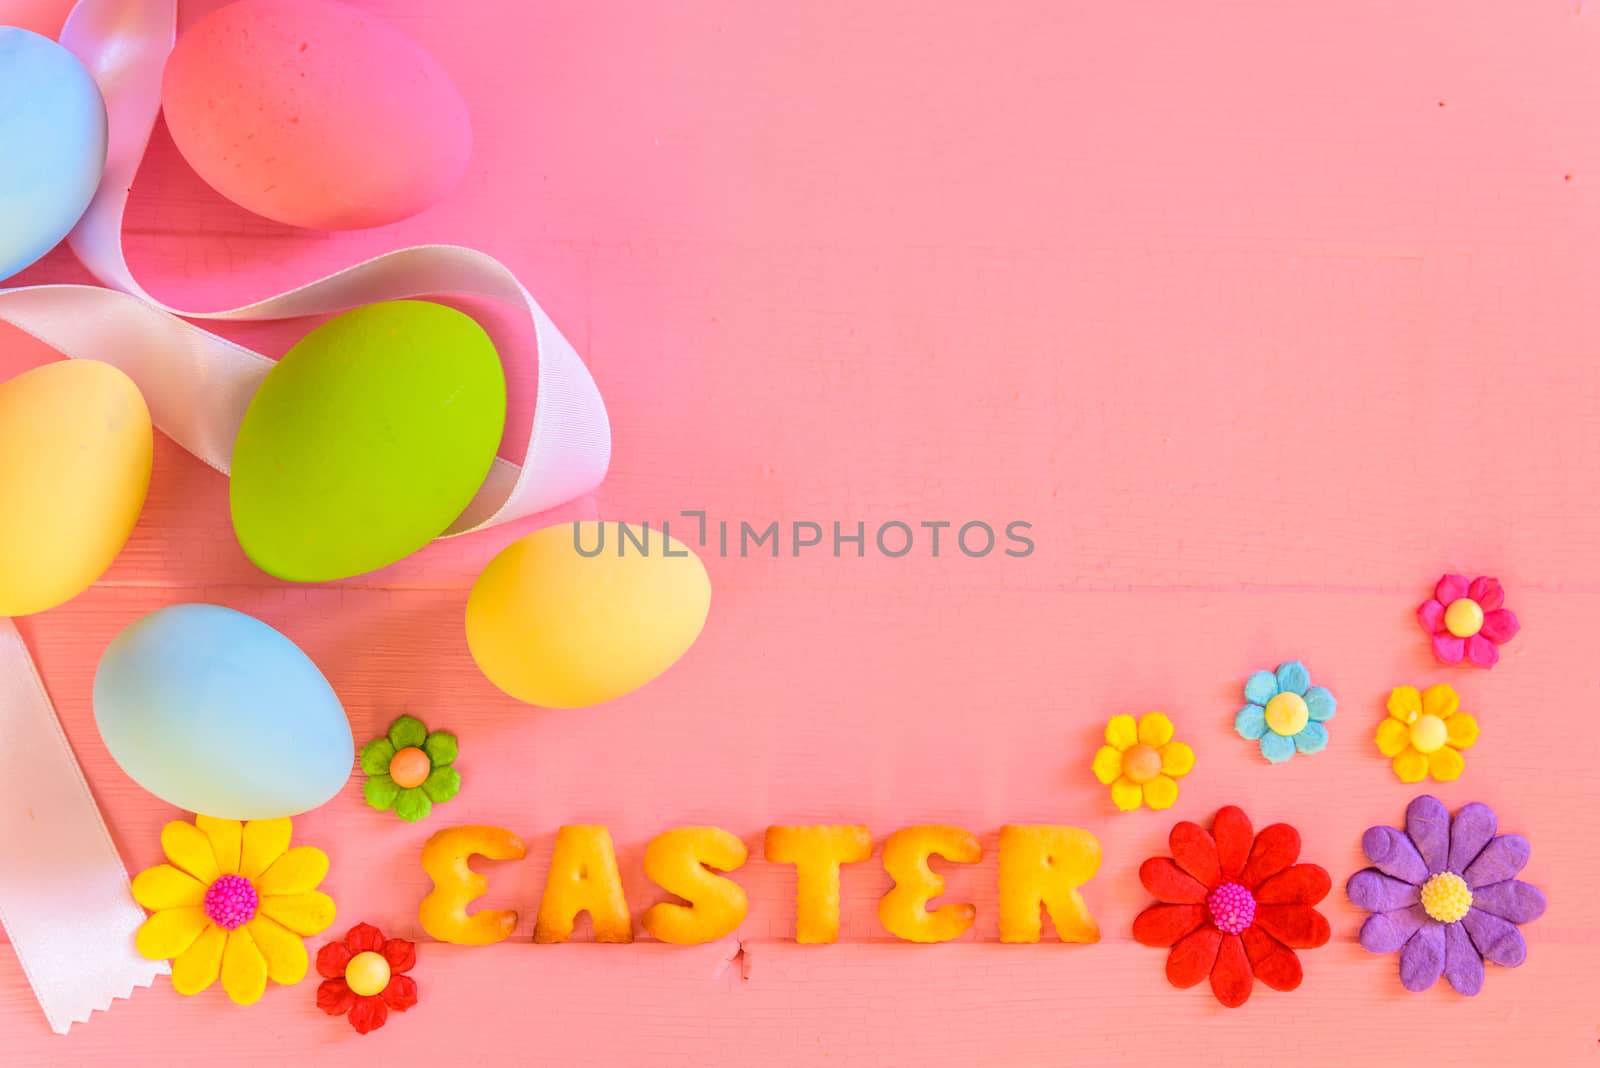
(1466, 621)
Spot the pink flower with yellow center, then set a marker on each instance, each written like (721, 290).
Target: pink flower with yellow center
(1467, 620)
(235, 902)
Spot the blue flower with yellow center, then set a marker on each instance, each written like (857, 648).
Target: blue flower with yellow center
(1286, 714)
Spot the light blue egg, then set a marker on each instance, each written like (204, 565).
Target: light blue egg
(215, 712)
(52, 145)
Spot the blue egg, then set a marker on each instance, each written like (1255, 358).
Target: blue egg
(215, 712)
(52, 145)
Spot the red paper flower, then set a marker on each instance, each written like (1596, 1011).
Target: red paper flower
(1233, 906)
(364, 977)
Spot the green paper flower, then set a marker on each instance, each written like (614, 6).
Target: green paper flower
(409, 769)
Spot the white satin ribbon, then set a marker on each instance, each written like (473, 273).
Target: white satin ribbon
(64, 895)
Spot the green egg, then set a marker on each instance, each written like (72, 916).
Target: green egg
(366, 441)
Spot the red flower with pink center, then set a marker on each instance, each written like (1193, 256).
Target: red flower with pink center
(1234, 906)
(363, 977)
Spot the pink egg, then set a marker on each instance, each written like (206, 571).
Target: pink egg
(315, 114)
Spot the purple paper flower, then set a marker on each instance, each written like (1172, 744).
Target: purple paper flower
(1445, 894)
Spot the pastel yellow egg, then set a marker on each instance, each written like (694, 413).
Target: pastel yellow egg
(581, 613)
(75, 451)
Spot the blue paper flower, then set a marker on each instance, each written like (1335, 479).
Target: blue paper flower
(1286, 713)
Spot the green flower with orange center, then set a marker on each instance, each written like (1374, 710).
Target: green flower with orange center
(408, 770)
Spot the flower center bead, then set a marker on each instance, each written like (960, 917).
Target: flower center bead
(1287, 714)
(1446, 898)
(1233, 908)
(1141, 763)
(231, 902)
(367, 974)
(1428, 733)
(409, 767)
(1464, 617)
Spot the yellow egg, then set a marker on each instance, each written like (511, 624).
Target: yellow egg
(554, 622)
(75, 449)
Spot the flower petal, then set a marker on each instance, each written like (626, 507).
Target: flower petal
(298, 871)
(442, 748)
(1376, 892)
(1410, 765)
(1428, 827)
(1234, 835)
(1448, 649)
(442, 784)
(1393, 737)
(1177, 759)
(368, 1014)
(1192, 956)
(1126, 795)
(376, 755)
(335, 997)
(1321, 705)
(1461, 730)
(1274, 963)
(1122, 732)
(1385, 932)
(224, 836)
(1500, 860)
(1405, 703)
(165, 887)
(187, 847)
(1471, 829)
(1170, 884)
(1107, 765)
(1497, 939)
(1422, 957)
(364, 938)
(401, 993)
(1441, 700)
(1482, 652)
(264, 842)
(1394, 854)
(1500, 626)
(1450, 588)
(1164, 925)
(401, 955)
(381, 792)
(1296, 926)
(1195, 852)
(1462, 964)
(332, 959)
(1161, 792)
(1512, 900)
(407, 731)
(197, 967)
(171, 931)
(1276, 748)
(1251, 722)
(1155, 729)
(1230, 975)
(412, 805)
(1275, 848)
(1445, 764)
(1431, 615)
(284, 952)
(304, 914)
(1487, 592)
(244, 969)
(1313, 738)
(1302, 884)
(1293, 678)
(1261, 687)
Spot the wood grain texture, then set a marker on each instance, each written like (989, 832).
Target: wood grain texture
(1262, 314)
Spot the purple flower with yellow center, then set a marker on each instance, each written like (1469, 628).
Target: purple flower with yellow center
(1444, 893)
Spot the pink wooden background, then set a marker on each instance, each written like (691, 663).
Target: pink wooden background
(1262, 313)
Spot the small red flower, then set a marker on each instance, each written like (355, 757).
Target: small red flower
(364, 977)
(1234, 906)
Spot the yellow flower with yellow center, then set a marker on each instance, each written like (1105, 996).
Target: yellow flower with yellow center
(234, 902)
(1425, 732)
(1141, 763)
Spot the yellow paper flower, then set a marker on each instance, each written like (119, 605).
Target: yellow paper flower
(1141, 763)
(235, 902)
(1425, 732)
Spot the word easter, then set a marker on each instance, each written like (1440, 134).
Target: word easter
(1041, 867)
